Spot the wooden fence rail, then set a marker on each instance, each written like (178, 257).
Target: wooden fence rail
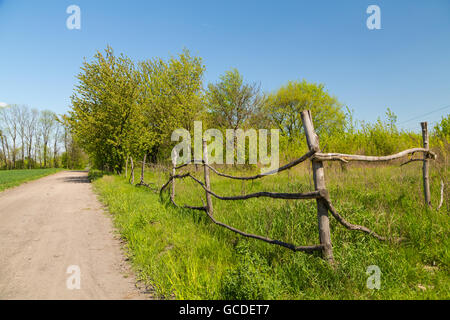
(320, 194)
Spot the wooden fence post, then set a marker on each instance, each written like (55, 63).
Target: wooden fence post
(209, 205)
(174, 171)
(142, 169)
(126, 168)
(426, 178)
(132, 171)
(319, 183)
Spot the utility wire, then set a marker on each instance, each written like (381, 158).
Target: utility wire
(424, 115)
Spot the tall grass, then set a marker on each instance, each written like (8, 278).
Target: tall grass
(182, 255)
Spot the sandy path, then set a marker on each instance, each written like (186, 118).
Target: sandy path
(50, 224)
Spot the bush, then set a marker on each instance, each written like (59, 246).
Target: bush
(95, 174)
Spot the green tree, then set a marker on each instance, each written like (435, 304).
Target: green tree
(232, 102)
(285, 105)
(122, 109)
(442, 129)
(104, 108)
(171, 98)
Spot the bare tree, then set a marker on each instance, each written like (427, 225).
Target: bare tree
(37, 148)
(56, 139)
(9, 116)
(30, 131)
(47, 123)
(22, 116)
(4, 151)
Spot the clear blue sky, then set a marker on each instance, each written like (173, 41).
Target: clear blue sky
(404, 66)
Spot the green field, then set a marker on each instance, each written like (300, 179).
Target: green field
(12, 178)
(181, 254)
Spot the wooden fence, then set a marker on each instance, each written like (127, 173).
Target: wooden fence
(320, 193)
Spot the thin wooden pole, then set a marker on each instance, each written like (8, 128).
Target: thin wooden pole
(174, 172)
(132, 171)
(319, 183)
(426, 164)
(126, 168)
(143, 168)
(209, 205)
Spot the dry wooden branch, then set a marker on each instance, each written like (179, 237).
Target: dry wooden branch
(354, 157)
(258, 176)
(303, 158)
(349, 225)
(442, 195)
(187, 164)
(202, 208)
(178, 176)
(307, 249)
(275, 195)
(409, 161)
(143, 184)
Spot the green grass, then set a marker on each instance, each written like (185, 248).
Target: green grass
(12, 178)
(182, 255)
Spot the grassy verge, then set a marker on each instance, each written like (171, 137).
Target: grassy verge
(12, 178)
(183, 255)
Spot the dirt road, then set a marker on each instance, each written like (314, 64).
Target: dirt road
(49, 225)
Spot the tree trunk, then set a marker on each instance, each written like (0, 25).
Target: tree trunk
(4, 152)
(23, 151)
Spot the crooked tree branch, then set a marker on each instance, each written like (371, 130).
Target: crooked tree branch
(172, 200)
(354, 157)
(303, 158)
(409, 161)
(178, 176)
(307, 249)
(347, 224)
(143, 184)
(186, 164)
(275, 195)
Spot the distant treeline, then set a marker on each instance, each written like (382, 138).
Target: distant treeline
(31, 139)
(123, 108)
